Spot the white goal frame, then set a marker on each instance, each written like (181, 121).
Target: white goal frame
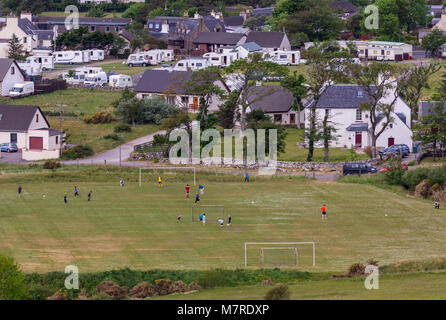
(279, 243)
(168, 168)
(204, 207)
(296, 254)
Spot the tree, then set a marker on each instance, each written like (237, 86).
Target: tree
(432, 43)
(380, 84)
(259, 120)
(96, 11)
(180, 119)
(326, 134)
(148, 110)
(137, 12)
(12, 280)
(417, 79)
(15, 48)
(295, 84)
(226, 113)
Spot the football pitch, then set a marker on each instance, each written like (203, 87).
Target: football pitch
(137, 227)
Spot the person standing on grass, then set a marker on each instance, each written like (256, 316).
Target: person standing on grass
(201, 187)
(204, 218)
(121, 183)
(89, 196)
(160, 181)
(19, 191)
(179, 218)
(246, 177)
(65, 199)
(200, 218)
(76, 192)
(197, 198)
(187, 191)
(229, 221)
(221, 222)
(324, 212)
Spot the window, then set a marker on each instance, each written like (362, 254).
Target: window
(93, 28)
(37, 118)
(107, 29)
(117, 29)
(358, 115)
(12, 70)
(327, 112)
(157, 26)
(360, 94)
(184, 99)
(25, 39)
(277, 118)
(57, 139)
(391, 125)
(13, 137)
(150, 25)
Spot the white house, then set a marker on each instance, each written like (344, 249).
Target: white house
(270, 41)
(10, 74)
(248, 48)
(342, 103)
(27, 127)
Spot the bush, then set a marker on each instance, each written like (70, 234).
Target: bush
(51, 164)
(122, 128)
(12, 285)
(99, 117)
(77, 152)
(281, 292)
(212, 278)
(395, 172)
(112, 136)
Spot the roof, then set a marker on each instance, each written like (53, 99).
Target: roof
(127, 35)
(270, 99)
(347, 6)
(358, 127)
(223, 38)
(427, 105)
(210, 22)
(251, 46)
(163, 81)
(86, 21)
(266, 39)
(17, 118)
(234, 21)
(262, 12)
(343, 97)
(5, 63)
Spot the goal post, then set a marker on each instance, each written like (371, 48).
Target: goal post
(285, 245)
(168, 168)
(218, 210)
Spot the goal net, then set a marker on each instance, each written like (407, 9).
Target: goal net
(280, 254)
(213, 213)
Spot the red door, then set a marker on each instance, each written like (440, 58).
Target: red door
(391, 142)
(358, 140)
(35, 143)
(292, 118)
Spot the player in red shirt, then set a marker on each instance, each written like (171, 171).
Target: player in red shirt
(187, 191)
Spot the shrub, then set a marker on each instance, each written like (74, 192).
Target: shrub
(77, 152)
(51, 164)
(395, 172)
(122, 128)
(212, 278)
(13, 286)
(112, 136)
(422, 189)
(281, 292)
(411, 163)
(99, 117)
(368, 151)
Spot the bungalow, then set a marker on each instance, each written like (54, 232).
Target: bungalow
(342, 104)
(172, 86)
(248, 48)
(270, 41)
(211, 41)
(10, 74)
(27, 127)
(276, 102)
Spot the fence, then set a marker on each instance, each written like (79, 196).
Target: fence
(49, 85)
(149, 147)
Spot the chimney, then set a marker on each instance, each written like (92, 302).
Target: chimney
(201, 24)
(185, 15)
(26, 15)
(165, 27)
(12, 20)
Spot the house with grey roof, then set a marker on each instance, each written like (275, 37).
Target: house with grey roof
(342, 104)
(211, 41)
(28, 128)
(248, 48)
(276, 102)
(270, 41)
(10, 74)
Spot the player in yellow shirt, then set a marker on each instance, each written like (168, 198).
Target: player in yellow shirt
(160, 181)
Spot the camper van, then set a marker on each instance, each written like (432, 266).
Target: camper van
(165, 55)
(22, 89)
(70, 57)
(80, 74)
(220, 60)
(192, 63)
(96, 79)
(288, 58)
(120, 81)
(44, 62)
(96, 55)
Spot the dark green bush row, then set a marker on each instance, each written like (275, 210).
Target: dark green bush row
(43, 285)
(77, 152)
(123, 127)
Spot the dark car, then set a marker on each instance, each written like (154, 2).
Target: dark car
(358, 168)
(8, 147)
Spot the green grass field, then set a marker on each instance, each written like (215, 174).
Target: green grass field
(136, 227)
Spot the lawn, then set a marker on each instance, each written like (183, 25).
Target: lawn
(294, 153)
(401, 287)
(121, 68)
(76, 104)
(136, 226)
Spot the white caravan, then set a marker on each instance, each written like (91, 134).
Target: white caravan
(22, 89)
(120, 81)
(288, 58)
(96, 55)
(96, 79)
(192, 63)
(80, 74)
(70, 57)
(165, 55)
(220, 59)
(86, 56)
(45, 62)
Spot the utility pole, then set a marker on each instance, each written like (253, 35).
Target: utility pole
(60, 129)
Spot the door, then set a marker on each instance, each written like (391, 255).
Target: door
(293, 58)
(292, 118)
(358, 140)
(391, 142)
(35, 143)
(195, 105)
(366, 53)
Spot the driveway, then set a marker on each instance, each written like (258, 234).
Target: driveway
(14, 157)
(117, 155)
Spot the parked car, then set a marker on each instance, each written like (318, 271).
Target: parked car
(358, 168)
(8, 147)
(396, 149)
